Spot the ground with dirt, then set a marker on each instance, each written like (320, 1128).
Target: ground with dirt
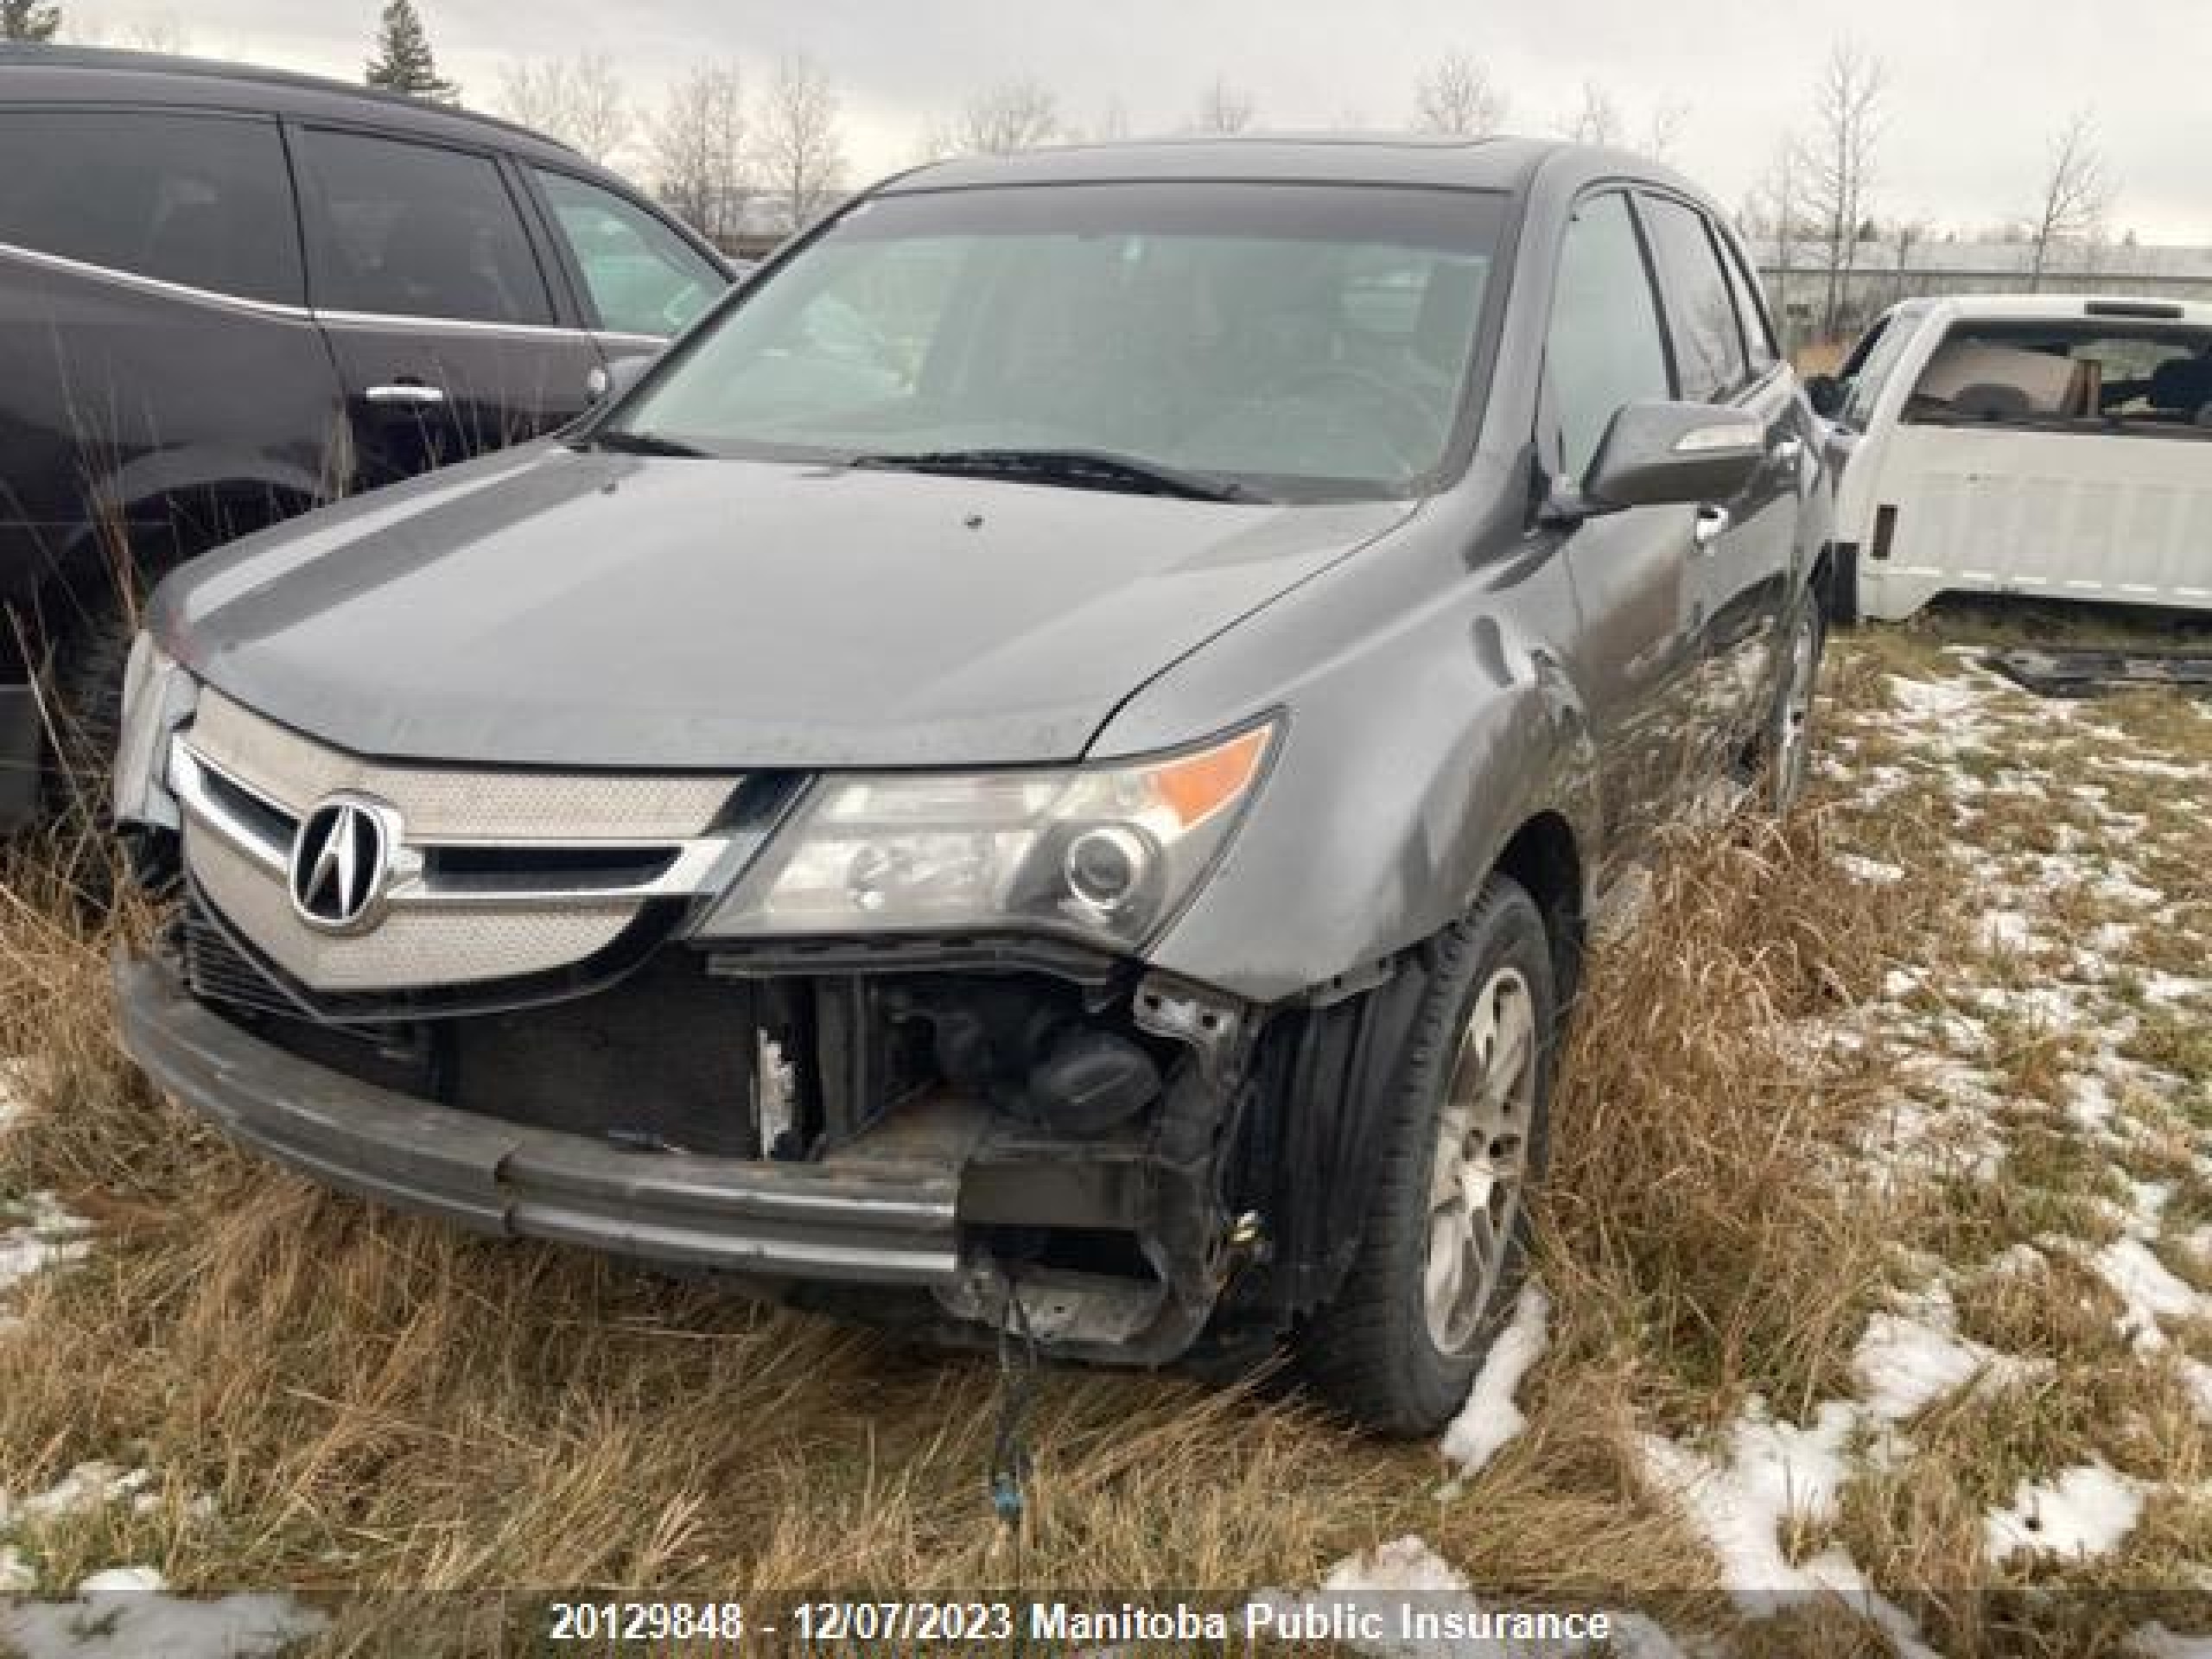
(1875, 1310)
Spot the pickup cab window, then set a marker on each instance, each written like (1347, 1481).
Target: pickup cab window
(2090, 376)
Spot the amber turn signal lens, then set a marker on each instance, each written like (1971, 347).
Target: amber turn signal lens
(1196, 786)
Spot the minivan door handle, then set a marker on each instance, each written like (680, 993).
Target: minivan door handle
(1712, 525)
(405, 394)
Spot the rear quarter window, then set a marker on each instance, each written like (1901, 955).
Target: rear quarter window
(201, 200)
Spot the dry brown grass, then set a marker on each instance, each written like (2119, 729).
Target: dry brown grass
(399, 1418)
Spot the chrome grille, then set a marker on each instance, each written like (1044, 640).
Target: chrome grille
(497, 876)
(449, 805)
(446, 945)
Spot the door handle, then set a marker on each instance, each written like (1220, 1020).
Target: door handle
(405, 394)
(1712, 525)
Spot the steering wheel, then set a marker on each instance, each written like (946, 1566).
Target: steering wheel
(1407, 423)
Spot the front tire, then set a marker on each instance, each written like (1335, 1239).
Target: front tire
(1789, 743)
(1444, 1245)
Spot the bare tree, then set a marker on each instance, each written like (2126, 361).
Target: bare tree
(1225, 108)
(26, 20)
(802, 149)
(1776, 209)
(1599, 120)
(578, 100)
(699, 149)
(1457, 96)
(1000, 120)
(1113, 122)
(1906, 235)
(1664, 130)
(1847, 127)
(2077, 194)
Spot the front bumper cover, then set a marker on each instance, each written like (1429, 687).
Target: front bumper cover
(880, 1215)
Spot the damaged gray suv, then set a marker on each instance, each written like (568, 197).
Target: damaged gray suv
(1047, 766)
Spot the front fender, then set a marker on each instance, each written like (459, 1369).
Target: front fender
(1408, 764)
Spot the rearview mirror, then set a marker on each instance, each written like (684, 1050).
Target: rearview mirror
(1673, 455)
(1824, 392)
(608, 380)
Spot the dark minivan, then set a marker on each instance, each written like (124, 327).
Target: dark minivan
(228, 294)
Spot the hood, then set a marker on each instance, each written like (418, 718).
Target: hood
(548, 607)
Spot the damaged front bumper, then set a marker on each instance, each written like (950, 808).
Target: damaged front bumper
(931, 1217)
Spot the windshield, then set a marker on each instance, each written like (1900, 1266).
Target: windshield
(1295, 342)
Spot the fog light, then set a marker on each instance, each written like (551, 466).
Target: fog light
(1106, 867)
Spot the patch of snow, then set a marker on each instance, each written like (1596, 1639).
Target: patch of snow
(120, 1624)
(1394, 1580)
(2197, 1377)
(1490, 1419)
(1741, 1506)
(2089, 1102)
(85, 1487)
(2150, 1290)
(2085, 1511)
(123, 1580)
(2157, 1642)
(2006, 929)
(2139, 766)
(17, 1077)
(1934, 701)
(46, 1235)
(1907, 1360)
(1873, 872)
(2161, 986)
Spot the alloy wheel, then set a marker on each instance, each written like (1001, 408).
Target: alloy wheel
(1479, 1173)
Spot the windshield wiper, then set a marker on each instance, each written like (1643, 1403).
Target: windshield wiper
(1086, 469)
(620, 442)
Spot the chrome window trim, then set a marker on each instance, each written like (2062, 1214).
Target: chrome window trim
(275, 309)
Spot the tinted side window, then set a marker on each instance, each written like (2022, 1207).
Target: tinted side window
(1604, 347)
(643, 279)
(202, 199)
(1758, 341)
(416, 230)
(1701, 312)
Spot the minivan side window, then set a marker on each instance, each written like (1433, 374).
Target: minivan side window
(414, 229)
(201, 200)
(1604, 348)
(643, 278)
(1700, 311)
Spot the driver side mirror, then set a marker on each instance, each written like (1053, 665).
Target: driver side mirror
(612, 379)
(1826, 393)
(1659, 455)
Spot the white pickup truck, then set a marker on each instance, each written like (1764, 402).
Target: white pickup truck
(2042, 445)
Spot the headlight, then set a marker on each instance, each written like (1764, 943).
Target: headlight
(1110, 852)
(157, 696)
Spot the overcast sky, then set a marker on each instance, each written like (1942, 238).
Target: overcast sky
(1976, 86)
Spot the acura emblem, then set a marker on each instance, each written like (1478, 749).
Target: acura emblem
(341, 863)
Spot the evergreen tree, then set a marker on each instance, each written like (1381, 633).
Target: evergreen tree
(402, 63)
(26, 20)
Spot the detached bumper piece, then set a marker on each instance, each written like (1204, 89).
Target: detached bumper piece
(879, 1212)
(2050, 672)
